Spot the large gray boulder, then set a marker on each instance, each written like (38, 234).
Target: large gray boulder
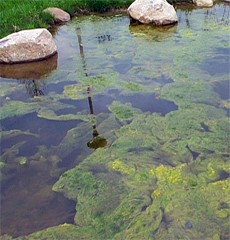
(58, 14)
(157, 12)
(27, 46)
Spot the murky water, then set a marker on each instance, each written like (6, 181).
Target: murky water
(106, 72)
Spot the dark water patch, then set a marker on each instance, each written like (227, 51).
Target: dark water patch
(223, 89)
(219, 64)
(58, 87)
(79, 104)
(224, 237)
(74, 157)
(205, 127)
(10, 142)
(114, 92)
(97, 169)
(100, 104)
(30, 122)
(166, 220)
(140, 150)
(195, 155)
(223, 175)
(227, 111)
(163, 80)
(122, 66)
(188, 225)
(226, 155)
(144, 208)
(28, 203)
(223, 205)
(33, 88)
(149, 103)
(66, 111)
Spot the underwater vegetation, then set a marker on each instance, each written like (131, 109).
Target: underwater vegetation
(157, 174)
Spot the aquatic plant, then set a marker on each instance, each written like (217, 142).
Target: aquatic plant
(159, 176)
(133, 176)
(123, 112)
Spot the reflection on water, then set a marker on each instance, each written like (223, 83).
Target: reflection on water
(33, 87)
(33, 70)
(152, 33)
(97, 140)
(27, 198)
(109, 61)
(223, 89)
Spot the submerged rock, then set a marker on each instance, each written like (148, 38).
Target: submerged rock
(158, 12)
(27, 46)
(58, 14)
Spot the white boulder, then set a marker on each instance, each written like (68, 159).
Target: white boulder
(27, 46)
(59, 14)
(203, 3)
(157, 12)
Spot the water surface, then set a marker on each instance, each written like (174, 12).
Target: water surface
(106, 75)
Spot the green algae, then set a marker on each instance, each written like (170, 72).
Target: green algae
(75, 91)
(196, 204)
(16, 108)
(45, 107)
(134, 87)
(7, 88)
(159, 177)
(6, 237)
(124, 112)
(190, 92)
(64, 231)
(51, 115)
(129, 164)
(14, 133)
(225, 104)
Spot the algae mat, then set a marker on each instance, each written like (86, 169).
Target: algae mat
(132, 127)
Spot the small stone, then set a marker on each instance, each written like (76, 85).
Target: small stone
(59, 14)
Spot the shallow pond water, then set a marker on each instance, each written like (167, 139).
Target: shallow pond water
(123, 104)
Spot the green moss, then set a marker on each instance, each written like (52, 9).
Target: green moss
(184, 202)
(6, 237)
(16, 108)
(8, 87)
(123, 112)
(135, 87)
(119, 166)
(225, 104)
(14, 133)
(101, 81)
(64, 231)
(51, 115)
(185, 93)
(126, 176)
(76, 91)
